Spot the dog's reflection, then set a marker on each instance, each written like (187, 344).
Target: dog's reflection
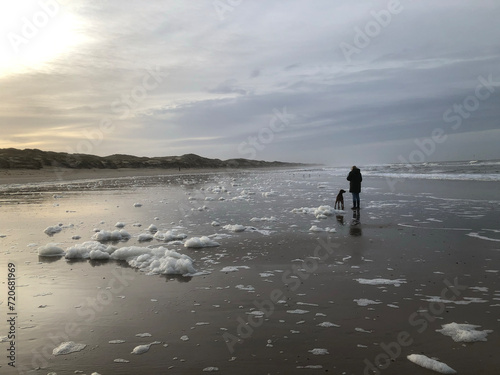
(355, 228)
(340, 219)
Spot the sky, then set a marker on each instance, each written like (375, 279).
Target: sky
(337, 82)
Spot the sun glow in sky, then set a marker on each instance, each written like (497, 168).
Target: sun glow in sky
(335, 82)
(35, 34)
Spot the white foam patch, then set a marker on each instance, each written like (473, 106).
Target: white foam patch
(266, 274)
(50, 250)
(68, 347)
(248, 288)
(430, 364)
(159, 261)
(271, 193)
(366, 302)
(316, 229)
(50, 231)
(297, 311)
(198, 242)
(320, 212)
(259, 219)
(256, 313)
(141, 349)
(145, 334)
(396, 282)
(89, 250)
(464, 301)
(169, 236)
(235, 227)
(464, 332)
(319, 351)
(211, 369)
(358, 329)
(144, 237)
(328, 324)
(115, 235)
(234, 268)
(477, 235)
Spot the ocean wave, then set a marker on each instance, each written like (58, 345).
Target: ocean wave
(474, 170)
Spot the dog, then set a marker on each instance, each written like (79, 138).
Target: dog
(340, 199)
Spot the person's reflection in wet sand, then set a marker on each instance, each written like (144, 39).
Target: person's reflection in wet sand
(355, 228)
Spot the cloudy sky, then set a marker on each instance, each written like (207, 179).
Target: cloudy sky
(338, 82)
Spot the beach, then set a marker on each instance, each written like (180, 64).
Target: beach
(293, 286)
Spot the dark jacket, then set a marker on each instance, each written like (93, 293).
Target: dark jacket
(355, 179)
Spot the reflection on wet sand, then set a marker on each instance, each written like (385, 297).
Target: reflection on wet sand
(355, 227)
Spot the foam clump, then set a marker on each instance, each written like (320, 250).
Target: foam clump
(50, 250)
(50, 231)
(234, 268)
(319, 351)
(235, 228)
(320, 212)
(211, 369)
(198, 242)
(328, 324)
(431, 364)
(464, 332)
(115, 235)
(317, 229)
(68, 347)
(324, 211)
(169, 236)
(89, 250)
(271, 193)
(141, 349)
(366, 302)
(396, 282)
(159, 261)
(259, 219)
(145, 237)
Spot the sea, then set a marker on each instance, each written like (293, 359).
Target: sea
(473, 170)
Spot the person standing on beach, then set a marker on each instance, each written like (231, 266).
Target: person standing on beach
(354, 177)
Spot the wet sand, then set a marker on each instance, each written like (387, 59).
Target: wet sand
(50, 174)
(295, 278)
